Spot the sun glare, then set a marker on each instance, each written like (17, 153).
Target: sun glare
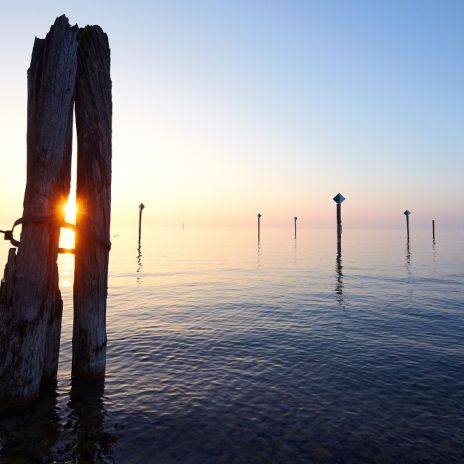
(67, 236)
(70, 210)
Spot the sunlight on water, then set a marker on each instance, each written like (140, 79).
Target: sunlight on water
(67, 239)
(66, 269)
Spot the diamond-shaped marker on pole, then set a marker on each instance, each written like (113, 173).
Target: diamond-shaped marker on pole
(407, 212)
(339, 198)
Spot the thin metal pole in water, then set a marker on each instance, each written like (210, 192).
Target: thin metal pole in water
(259, 226)
(433, 229)
(339, 199)
(407, 213)
(295, 219)
(141, 206)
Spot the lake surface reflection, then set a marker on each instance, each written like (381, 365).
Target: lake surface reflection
(225, 350)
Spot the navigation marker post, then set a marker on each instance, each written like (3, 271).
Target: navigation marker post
(339, 199)
(141, 206)
(407, 213)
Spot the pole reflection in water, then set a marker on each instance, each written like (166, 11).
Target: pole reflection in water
(87, 420)
(434, 248)
(339, 271)
(408, 258)
(139, 263)
(339, 229)
(294, 252)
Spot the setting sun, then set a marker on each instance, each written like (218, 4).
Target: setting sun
(70, 210)
(67, 236)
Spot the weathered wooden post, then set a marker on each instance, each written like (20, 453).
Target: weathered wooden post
(259, 226)
(433, 229)
(31, 305)
(294, 220)
(94, 126)
(339, 199)
(141, 206)
(407, 213)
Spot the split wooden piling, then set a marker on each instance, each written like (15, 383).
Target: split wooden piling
(93, 194)
(259, 226)
(70, 65)
(31, 305)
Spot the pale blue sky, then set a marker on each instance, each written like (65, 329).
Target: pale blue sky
(224, 109)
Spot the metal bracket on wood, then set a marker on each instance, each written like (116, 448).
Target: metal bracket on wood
(8, 234)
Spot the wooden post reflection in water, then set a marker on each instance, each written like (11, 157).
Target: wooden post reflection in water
(339, 272)
(139, 245)
(408, 258)
(139, 262)
(32, 432)
(94, 441)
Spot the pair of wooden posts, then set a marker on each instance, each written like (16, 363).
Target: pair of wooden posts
(70, 69)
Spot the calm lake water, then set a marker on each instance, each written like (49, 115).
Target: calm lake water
(223, 351)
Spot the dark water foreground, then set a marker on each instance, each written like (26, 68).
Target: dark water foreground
(220, 351)
(39, 433)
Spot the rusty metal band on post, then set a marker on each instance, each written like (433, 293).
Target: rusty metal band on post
(48, 220)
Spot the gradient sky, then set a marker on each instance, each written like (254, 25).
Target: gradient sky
(225, 109)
